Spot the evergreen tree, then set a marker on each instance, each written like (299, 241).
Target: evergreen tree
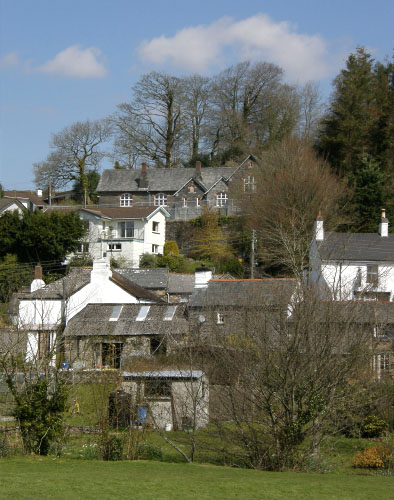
(345, 133)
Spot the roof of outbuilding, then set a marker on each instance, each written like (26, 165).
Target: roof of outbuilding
(5, 202)
(122, 212)
(94, 319)
(31, 195)
(357, 247)
(159, 179)
(180, 283)
(244, 293)
(175, 374)
(151, 279)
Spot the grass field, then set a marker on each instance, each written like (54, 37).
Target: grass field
(61, 479)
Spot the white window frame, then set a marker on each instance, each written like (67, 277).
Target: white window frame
(221, 199)
(114, 247)
(160, 200)
(126, 229)
(126, 200)
(372, 275)
(249, 184)
(220, 318)
(198, 202)
(155, 248)
(184, 202)
(155, 227)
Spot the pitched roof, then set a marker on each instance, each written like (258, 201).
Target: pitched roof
(94, 319)
(176, 374)
(151, 279)
(244, 293)
(357, 247)
(122, 212)
(159, 179)
(133, 288)
(8, 202)
(182, 284)
(76, 279)
(30, 195)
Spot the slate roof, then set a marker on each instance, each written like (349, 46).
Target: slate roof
(244, 293)
(174, 374)
(5, 202)
(159, 179)
(357, 247)
(182, 284)
(75, 280)
(94, 319)
(151, 279)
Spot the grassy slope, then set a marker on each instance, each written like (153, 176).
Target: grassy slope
(45, 478)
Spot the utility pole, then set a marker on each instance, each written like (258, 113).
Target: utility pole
(252, 252)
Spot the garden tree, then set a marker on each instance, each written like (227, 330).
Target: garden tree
(291, 186)
(151, 123)
(209, 240)
(13, 276)
(282, 380)
(368, 183)
(40, 237)
(76, 150)
(346, 130)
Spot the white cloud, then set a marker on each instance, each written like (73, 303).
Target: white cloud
(199, 48)
(9, 60)
(76, 62)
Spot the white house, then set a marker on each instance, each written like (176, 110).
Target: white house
(44, 310)
(353, 265)
(126, 232)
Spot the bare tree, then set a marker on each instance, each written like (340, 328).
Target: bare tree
(311, 110)
(75, 151)
(152, 122)
(290, 187)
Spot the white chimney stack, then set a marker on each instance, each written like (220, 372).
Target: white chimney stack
(319, 229)
(384, 225)
(39, 192)
(201, 277)
(38, 282)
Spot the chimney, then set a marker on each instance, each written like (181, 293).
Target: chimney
(198, 169)
(101, 272)
(38, 282)
(319, 229)
(201, 277)
(143, 182)
(384, 225)
(39, 192)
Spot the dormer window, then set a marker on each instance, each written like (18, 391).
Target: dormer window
(221, 199)
(126, 200)
(160, 200)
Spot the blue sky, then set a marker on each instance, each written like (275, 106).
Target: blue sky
(68, 61)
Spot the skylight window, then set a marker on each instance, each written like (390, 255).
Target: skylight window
(142, 314)
(115, 313)
(169, 313)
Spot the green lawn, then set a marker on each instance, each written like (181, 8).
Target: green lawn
(57, 479)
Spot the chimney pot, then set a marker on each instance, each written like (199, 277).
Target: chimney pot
(384, 225)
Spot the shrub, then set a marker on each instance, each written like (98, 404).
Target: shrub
(148, 260)
(111, 448)
(175, 263)
(171, 248)
(376, 457)
(5, 449)
(372, 427)
(148, 451)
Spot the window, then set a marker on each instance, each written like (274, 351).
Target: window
(155, 248)
(221, 199)
(169, 313)
(160, 200)
(373, 275)
(84, 248)
(127, 229)
(126, 200)
(157, 388)
(220, 319)
(111, 354)
(114, 247)
(382, 364)
(155, 227)
(249, 184)
(191, 188)
(142, 314)
(198, 202)
(184, 202)
(115, 313)
(157, 346)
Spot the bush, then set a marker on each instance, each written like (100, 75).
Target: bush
(111, 448)
(5, 449)
(148, 451)
(148, 260)
(171, 248)
(372, 427)
(376, 457)
(174, 263)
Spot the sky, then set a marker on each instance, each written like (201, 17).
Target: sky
(68, 61)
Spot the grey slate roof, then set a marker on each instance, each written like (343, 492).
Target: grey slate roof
(6, 202)
(182, 284)
(244, 293)
(122, 212)
(159, 179)
(357, 247)
(76, 279)
(94, 320)
(151, 279)
(174, 374)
